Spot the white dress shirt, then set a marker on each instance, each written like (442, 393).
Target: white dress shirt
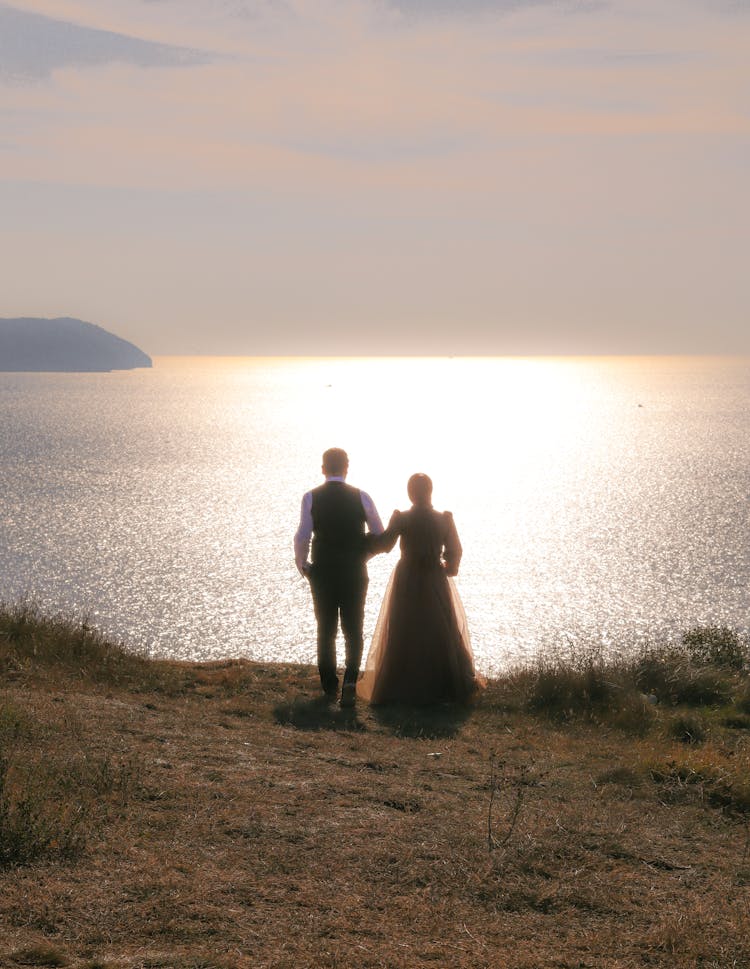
(305, 529)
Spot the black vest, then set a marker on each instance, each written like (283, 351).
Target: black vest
(338, 525)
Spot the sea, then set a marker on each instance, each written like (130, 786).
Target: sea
(601, 502)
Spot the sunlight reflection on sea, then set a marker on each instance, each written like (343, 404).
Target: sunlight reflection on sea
(597, 499)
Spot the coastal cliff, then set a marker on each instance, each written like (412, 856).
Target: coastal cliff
(64, 345)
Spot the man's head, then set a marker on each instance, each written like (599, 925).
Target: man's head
(335, 462)
(419, 489)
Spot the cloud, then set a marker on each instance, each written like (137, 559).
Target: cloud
(33, 46)
(319, 98)
(579, 167)
(419, 9)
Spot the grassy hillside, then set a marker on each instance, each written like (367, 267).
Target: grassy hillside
(583, 814)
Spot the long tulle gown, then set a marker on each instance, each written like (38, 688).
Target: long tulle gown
(421, 652)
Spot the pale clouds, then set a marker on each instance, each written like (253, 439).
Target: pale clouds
(355, 95)
(33, 46)
(444, 165)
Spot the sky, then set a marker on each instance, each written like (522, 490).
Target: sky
(432, 177)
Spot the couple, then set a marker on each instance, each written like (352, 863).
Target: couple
(420, 652)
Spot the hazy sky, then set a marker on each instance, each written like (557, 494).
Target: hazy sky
(380, 176)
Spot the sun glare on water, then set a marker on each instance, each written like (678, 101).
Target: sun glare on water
(596, 499)
(507, 443)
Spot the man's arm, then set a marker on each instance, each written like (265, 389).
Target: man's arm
(374, 524)
(303, 535)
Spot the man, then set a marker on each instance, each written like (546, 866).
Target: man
(334, 515)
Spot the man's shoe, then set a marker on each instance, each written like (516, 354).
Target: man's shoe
(331, 689)
(348, 695)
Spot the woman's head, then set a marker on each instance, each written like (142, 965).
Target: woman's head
(419, 489)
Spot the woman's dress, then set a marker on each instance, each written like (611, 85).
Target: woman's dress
(420, 651)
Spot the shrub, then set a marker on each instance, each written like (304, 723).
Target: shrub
(561, 690)
(587, 685)
(633, 713)
(703, 687)
(742, 700)
(716, 646)
(688, 729)
(673, 678)
(657, 671)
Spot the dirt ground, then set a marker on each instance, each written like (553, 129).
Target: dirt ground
(244, 822)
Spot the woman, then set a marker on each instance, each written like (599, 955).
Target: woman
(420, 652)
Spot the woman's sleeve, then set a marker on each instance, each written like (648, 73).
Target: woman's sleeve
(387, 539)
(452, 550)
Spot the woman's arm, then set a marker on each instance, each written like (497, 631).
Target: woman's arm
(387, 539)
(452, 550)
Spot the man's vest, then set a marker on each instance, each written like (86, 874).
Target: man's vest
(338, 525)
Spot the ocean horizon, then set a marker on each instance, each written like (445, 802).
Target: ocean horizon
(601, 501)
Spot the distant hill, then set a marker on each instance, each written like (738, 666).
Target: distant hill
(64, 345)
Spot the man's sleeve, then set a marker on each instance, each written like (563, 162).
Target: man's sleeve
(372, 517)
(304, 534)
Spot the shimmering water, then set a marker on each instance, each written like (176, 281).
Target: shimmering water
(597, 499)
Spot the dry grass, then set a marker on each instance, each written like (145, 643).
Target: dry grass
(231, 819)
(31, 641)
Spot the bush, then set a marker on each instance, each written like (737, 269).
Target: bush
(706, 687)
(743, 699)
(586, 685)
(716, 646)
(673, 678)
(561, 690)
(688, 729)
(634, 713)
(657, 671)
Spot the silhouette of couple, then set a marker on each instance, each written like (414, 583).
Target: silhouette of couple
(420, 651)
